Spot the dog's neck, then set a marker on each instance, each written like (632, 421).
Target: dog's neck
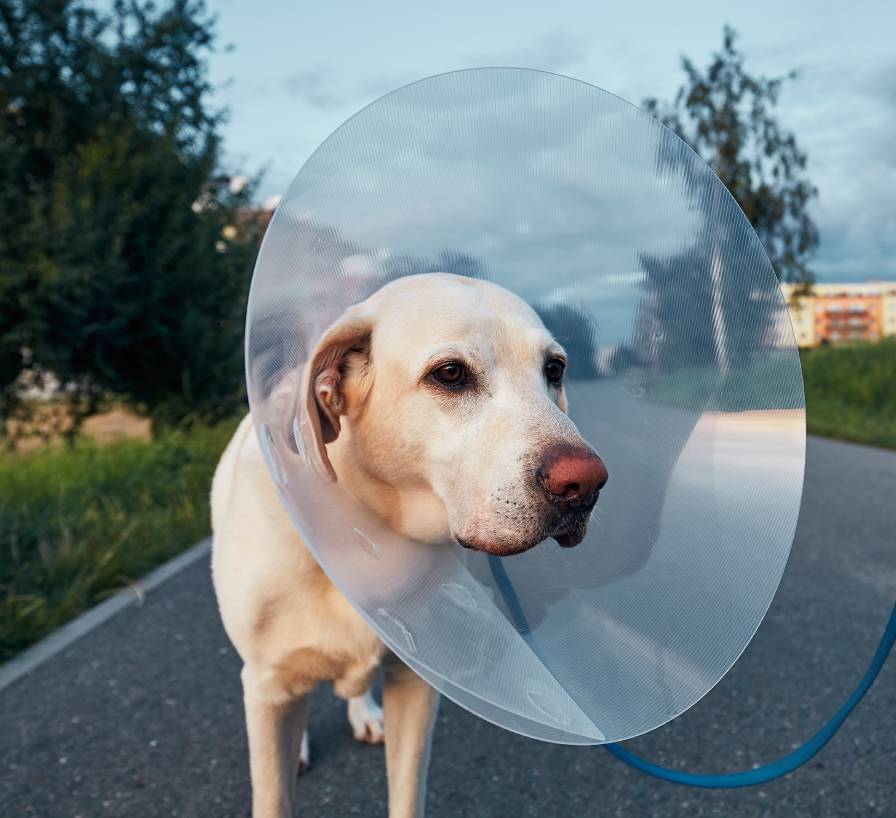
(414, 512)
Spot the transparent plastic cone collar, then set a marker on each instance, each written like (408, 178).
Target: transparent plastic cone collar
(681, 373)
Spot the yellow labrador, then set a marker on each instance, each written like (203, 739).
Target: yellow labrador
(439, 403)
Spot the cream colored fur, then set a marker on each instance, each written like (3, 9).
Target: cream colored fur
(436, 466)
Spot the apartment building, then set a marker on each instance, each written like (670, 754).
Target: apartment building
(842, 313)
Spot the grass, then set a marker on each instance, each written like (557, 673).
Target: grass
(851, 392)
(78, 524)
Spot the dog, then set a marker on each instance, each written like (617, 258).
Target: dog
(439, 403)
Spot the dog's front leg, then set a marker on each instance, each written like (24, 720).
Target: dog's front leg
(409, 708)
(275, 723)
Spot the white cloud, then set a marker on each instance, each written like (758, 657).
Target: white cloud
(314, 87)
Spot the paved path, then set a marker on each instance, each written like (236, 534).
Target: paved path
(142, 717)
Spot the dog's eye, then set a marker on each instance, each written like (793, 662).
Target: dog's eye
(553, 371)
(451, 374)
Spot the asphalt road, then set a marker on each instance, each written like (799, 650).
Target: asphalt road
(143, 716)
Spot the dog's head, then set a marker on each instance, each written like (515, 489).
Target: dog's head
(439, 403)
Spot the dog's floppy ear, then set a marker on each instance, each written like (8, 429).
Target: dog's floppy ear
(342, 353)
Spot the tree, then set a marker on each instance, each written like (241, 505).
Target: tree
(143, 297)
(576, 329)
(119, 268)
(728, 117)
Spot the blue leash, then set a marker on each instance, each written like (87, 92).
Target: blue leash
(742, 778)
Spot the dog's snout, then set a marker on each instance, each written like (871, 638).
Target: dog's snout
(573, 477)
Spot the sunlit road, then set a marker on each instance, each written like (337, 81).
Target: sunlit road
(143, 717)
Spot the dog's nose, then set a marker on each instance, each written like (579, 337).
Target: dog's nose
(573, 476)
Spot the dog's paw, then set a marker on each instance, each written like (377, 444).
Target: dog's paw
(366, 719)
(304, 755)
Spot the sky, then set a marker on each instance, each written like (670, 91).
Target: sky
(293, 72)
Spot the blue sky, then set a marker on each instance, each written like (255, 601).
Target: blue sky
(298, 70)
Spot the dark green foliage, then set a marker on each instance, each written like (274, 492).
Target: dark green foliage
(576, 329)
(728, 117)
(114, 274)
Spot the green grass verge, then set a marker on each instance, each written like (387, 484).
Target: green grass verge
(851, 392)
(78, 524)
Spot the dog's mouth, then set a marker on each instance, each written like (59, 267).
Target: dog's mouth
(570, 532)
(571, 525)
(568, 527)
(495, 548)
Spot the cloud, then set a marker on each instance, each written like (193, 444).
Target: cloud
(320, 89)
(553, 51)
(842, 110)
(843, 113)
(315, 88)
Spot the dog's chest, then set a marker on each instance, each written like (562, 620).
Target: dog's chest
(303, 668)
(318, 636)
